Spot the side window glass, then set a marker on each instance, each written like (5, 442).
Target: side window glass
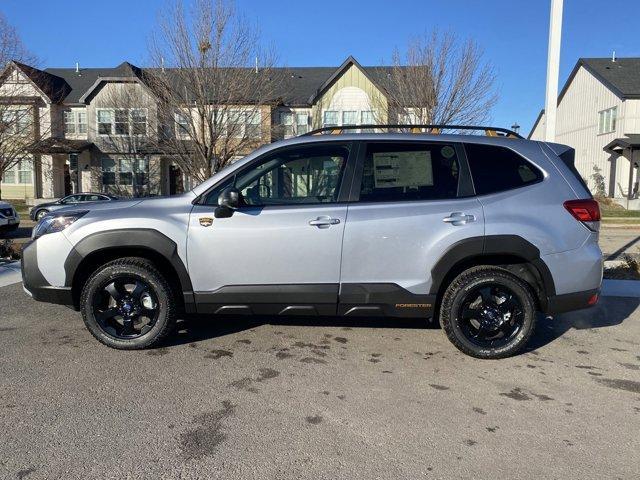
(496, 169)
(412, 171)
(301, 176)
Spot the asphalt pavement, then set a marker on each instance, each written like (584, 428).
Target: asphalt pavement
(242, 398)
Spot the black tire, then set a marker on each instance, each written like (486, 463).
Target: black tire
(40, 213)
(501, 319)
(118, 330)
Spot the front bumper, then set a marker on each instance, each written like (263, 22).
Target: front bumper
(34, 282)
(9, 221)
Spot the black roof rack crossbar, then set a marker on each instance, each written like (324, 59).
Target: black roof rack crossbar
(433, 129)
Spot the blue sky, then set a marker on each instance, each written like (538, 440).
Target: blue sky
(512, 33)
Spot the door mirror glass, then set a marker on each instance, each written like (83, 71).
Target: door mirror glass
(229, 198)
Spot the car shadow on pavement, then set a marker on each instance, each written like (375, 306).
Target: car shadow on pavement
(195, 328)
(609, 312)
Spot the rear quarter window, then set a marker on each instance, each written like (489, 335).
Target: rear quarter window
(497, 169)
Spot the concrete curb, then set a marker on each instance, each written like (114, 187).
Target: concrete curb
(10, 273)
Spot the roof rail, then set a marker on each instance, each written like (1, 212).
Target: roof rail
(432, 129)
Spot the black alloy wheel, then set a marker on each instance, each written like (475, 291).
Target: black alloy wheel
(488, 312)
(126, 307)
(128, 304)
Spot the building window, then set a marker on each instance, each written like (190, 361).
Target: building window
(125, 172)
(300, 127)
(20, 174)
(244, 124)
(337, 118)
(366, 117)
(25, 172)
(122, 121)
(607, 120)
(349, 117)
(105, 121)
(286, 119)
(302, 123)
(108, 171)
(138, 121)
(16, 121)
(182, 125)
(330, 118)
(75, 122)
(253, 128)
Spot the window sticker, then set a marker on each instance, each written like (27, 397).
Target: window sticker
(402, 169)
(448, 151)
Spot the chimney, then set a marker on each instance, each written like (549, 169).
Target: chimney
(162, 64)
(77, 67)
(613, 57)
(256, 64)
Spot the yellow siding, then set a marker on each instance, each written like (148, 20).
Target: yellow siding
(352, 77)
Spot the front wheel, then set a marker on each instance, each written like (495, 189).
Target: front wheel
(128, 304)
(487, 312)
(40, 214)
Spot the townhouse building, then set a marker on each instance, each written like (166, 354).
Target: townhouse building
(599, 116)
(84, 136)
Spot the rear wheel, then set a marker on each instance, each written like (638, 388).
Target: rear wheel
(40, 214)
(487, 312)
(128, 304)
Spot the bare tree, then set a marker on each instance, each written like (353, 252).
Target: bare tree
(215, 86)
(126, 126)
(440, 80)
(11, 46)
(22, 117)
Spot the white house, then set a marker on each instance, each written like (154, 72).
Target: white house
(599, 116)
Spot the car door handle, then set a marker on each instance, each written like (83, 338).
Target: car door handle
(324, 222)
(459, 218)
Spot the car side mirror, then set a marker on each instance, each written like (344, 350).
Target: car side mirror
(228, 201)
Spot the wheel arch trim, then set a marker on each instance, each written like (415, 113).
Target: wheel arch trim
(131, 238)
(477, 248)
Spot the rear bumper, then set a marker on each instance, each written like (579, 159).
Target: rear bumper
(36, 285)
(572, 301)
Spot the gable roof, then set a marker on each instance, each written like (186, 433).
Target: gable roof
(622, 77)
(339, 71)
(300, 87)
(53, 87)
(84, 81)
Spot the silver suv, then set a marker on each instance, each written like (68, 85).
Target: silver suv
(478, 232)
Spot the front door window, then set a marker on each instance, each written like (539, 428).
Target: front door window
(299, 176)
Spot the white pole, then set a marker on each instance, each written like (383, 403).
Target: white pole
(553, 70)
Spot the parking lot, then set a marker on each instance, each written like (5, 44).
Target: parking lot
(252, 398)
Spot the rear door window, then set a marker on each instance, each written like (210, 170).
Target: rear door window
(496, 169)
(409, 171)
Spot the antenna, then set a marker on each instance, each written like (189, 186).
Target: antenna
(613, 57)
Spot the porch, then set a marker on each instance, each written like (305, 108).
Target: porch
(626, 148)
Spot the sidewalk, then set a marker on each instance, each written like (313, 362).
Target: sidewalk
(10, 273)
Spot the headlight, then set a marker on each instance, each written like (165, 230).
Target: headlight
(55, 223)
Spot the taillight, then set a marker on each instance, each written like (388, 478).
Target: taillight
(586, 211)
